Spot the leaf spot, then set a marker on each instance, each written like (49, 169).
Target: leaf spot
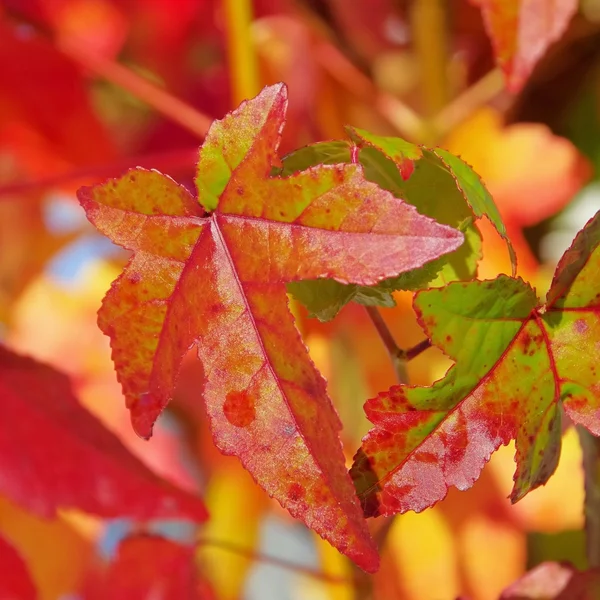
(296, 492)
(239, 408)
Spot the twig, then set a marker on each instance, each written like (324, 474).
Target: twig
(403, 118)
(162, 101)
(243, 65)
(590, 446)
(158, 160)
(417, 349)
(279, 562)
(396, 354)
(428, 25)
(457, 111)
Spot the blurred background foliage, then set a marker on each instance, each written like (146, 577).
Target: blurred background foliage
(89, 88)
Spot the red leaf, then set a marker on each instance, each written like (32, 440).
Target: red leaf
(15, 581)
(55, 453)
(522, 30)
(217, 282)
(149, 567)
(44, 90)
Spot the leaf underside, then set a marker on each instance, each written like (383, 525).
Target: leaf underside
(215, 281)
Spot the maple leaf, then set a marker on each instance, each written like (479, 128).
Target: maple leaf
(522, 30)
(217, 282)
(71, 459)
(148, 566)
(517, 361)
(15, 580)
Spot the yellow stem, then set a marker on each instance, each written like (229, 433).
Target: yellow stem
(428, 21)
(243, 65)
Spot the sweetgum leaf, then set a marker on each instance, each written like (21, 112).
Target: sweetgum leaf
(216, 282)
(522, 30)
(15, 580)
(72, 460)
(516, 361)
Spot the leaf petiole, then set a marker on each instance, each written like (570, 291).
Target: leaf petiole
(398, 356)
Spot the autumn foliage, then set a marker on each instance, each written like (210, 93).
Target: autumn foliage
(263, 281)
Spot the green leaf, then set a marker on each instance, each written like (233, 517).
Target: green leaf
(429, 186)
(323, 298)
(322, 153)
(477, 196)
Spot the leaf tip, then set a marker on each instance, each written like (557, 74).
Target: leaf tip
(144, 411)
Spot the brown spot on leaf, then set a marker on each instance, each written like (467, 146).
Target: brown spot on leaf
(296, 492)
(239, 408)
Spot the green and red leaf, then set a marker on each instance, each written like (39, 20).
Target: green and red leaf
(216, 282)
(517, 361)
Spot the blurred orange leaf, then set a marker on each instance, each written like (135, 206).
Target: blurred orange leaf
(522, 30)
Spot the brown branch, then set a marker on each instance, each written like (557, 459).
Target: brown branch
(398, 114)
(161, 100)
(398, 356)
(417, 349)
(169, 160)
(480, 93)
(279, 562)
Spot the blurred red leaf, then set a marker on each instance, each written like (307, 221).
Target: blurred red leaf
(522, 30)
(148, 567)
(555, 581)
(71, 459)
(15, 582)
(45, 92)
